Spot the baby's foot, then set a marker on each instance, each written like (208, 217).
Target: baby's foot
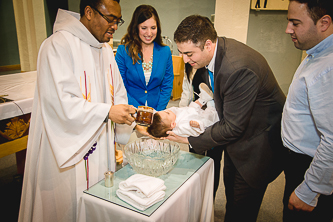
(194, 124)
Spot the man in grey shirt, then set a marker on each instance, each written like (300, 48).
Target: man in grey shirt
(307, 122)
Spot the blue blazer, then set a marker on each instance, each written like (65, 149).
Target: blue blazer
(158, 91)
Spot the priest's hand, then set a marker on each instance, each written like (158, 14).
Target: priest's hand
(122, 114)
(173, 137)
(142, 130)
(297, 204)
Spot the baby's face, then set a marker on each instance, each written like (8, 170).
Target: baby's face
(168, 117)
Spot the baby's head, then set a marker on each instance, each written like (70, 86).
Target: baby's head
(163, 121)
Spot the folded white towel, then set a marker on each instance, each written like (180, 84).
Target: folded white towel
(145, 186)
(131, 198)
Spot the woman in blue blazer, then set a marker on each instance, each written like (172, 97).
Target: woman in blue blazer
(144, 62)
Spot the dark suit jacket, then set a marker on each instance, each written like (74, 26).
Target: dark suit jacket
(249, 102)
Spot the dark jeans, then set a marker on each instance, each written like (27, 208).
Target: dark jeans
(296, 166)
(216, 155)
(243, 201)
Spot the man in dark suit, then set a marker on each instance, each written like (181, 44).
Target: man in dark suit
(249, 102)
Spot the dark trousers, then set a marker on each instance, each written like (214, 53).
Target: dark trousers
(216, 155)
(243, 201)
(295, 168)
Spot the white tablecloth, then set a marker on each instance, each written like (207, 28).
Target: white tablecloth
(19, 87)
(193, 201)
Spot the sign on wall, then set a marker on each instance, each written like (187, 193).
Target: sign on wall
(269, 4)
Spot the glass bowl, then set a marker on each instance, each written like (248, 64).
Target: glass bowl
(152, 157)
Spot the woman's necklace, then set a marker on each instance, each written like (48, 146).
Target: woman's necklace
(147, 67)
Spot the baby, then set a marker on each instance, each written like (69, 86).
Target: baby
(186, 121)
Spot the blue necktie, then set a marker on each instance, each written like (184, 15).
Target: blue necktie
(211, 79)
(211, 76)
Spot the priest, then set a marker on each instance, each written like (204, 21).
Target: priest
(80, 110)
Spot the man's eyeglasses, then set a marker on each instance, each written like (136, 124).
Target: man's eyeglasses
(115, 20)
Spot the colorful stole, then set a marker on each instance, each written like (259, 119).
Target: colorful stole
(87, 96)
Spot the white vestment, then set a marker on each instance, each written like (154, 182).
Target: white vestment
(184, 115)
(76, 79)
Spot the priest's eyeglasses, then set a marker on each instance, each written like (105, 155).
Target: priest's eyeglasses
(114, 20)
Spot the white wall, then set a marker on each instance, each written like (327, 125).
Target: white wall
(264, 31)
(171, 13)
(231, 18)
(266, 34)
(31, 31)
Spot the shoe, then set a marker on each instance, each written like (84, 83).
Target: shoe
(205, 94)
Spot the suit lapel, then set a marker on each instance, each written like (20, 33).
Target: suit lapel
(156, 59)
(219, 54)
(218, 94)
(139, 71)
(204, 75)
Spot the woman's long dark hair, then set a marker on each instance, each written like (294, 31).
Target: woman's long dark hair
(131, 39)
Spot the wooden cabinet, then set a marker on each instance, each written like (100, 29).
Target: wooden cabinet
(178, 71)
